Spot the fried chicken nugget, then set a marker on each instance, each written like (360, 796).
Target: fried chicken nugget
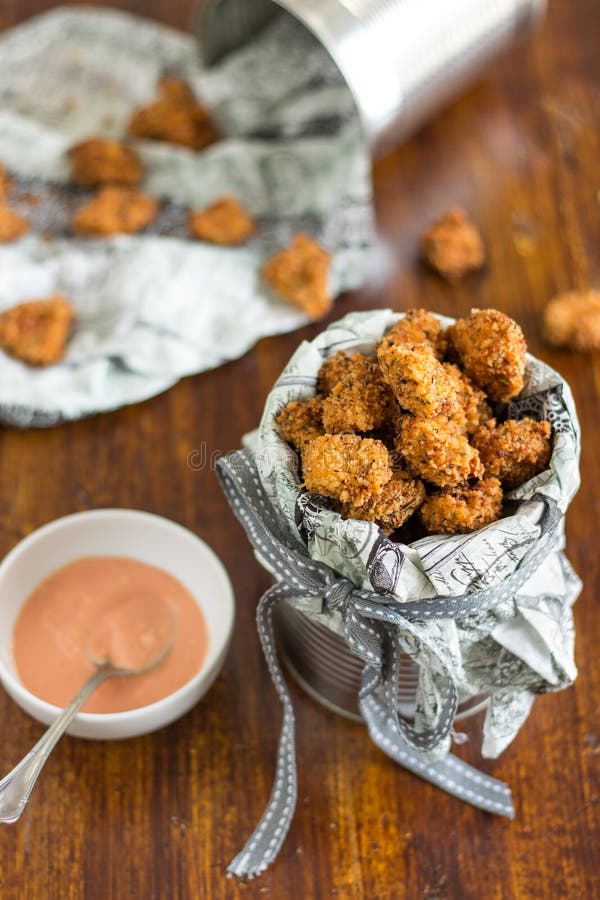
(474, 408)
(418, 327)
(97, 161)
(452, 246)
(301, 422)
(418, 380)
(346, 467)
(361, 401)
(573, 320)
(400, 497)
(37, 331)
(492, 349)
(224, 222)
(515, 451)
(115, 210)
(299, 274)
(174, 117)
(12, 225)
(435, 450)
(332, 371)
(463, 509)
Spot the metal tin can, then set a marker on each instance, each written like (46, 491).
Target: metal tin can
(402, 59)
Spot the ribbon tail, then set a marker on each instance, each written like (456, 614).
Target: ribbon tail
(268, 836)
(451, 774)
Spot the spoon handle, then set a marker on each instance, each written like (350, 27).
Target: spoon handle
(16, 787)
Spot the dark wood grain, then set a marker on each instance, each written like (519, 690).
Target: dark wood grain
(160, 816)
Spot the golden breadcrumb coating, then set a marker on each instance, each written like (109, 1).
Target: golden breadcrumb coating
(452, 246)
(474, 408)
(97, 161)
(174, 117)
(332, 371)
(4, 184)
(12, 225)
(463, 509)
(418, 327)
(400, 497)
(346, 467)
(224, 222)
(37, 331)
(361, 401)
(573, 320)
(419, 381)
(515, 451)
(299, 274)
(437, 452)
(300, 422)
(492, 349)
(115, 210)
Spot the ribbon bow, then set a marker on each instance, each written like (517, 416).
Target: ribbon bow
(374, 625)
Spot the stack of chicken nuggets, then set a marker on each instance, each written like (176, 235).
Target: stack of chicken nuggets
(413, 431)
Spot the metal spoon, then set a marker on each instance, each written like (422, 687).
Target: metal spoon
(16, 787)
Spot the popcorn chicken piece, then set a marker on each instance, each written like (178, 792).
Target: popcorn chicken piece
(400, 497)
(361, 401)
(37, 331)
(97, 161)
(492, 349)
(515, 451)
(418, 327)
(300, 422)
(299, 275)
(418, 380)
(332, 371)
(572, 320)
(12, 225)
(452, 246)
(115, 210)
(435, 450)
(174, 117)
(4, 184)
(346, 467)
(474, 408)
(224, 222)
(463, 509)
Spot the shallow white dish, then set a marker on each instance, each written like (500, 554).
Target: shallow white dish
(118, 532)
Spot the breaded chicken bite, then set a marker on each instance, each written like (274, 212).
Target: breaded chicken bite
(418, 327)
(436, 451)
(299, 274)
(37, 331)
(97, 161)
(224, 222)
(332, 371)
(300, 422)
(12, 225)
(573, 320)
(346, 467)
(463, 509)
(361, 401)
(400, 497)
(474, 408)
(452, 246)
(174, 117)
(418, 380)
(515, 451)
(115, 210)
(492, 349)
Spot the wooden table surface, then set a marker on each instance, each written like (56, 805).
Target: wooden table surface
(160, 816)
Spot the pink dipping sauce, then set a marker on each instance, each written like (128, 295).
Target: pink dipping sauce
(115, 606)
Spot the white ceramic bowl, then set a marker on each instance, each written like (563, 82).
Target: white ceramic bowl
(141, 536)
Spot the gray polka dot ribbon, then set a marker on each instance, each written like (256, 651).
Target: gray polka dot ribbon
(375, 625)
